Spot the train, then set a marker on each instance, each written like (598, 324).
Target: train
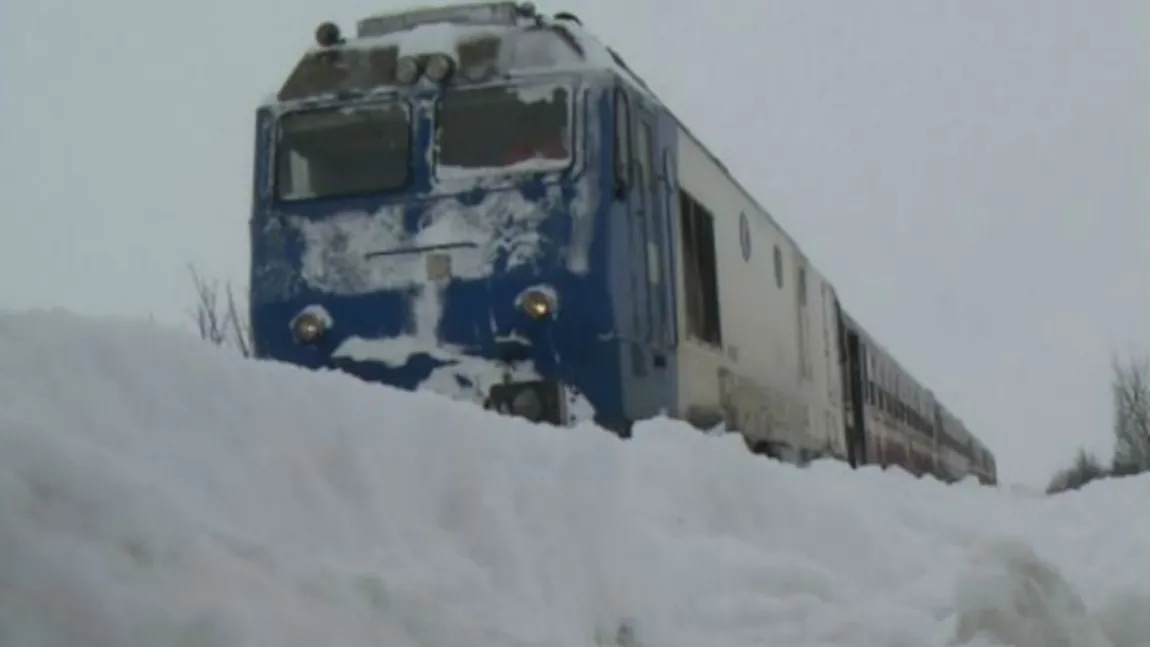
(487, 202)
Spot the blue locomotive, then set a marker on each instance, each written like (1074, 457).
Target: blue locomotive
(486, 202)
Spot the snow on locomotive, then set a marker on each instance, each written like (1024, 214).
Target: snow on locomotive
(486, 202)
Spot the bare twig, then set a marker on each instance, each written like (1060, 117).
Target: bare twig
(219, 323)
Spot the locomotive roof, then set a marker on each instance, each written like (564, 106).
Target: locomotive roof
(439, 30)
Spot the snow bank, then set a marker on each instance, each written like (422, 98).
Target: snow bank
(156, 491)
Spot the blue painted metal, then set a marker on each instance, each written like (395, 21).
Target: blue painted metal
(613, 338)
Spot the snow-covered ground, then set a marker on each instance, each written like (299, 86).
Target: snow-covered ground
(157, 491)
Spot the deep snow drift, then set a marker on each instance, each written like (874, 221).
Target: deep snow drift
(157, 491)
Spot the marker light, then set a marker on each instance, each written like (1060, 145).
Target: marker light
(308, 328)
(537, 304)
(439, 67)
(407, 70)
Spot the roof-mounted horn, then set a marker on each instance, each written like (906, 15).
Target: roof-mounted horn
(568, 16)
(327, 35)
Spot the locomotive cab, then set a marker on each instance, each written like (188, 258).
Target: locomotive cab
(431, 210)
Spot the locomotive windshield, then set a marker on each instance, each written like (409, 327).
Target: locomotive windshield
(342, 152)
(496, 128)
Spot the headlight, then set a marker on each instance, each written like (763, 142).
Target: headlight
(537, 303)
(308, 328)
(407, 70)
(439, 67)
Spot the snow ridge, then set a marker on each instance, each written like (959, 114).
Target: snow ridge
(157, 491)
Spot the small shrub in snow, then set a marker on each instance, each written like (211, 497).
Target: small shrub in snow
(1085, 469)
(218, 320)
(1131, 389)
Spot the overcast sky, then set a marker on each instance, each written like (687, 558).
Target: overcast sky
(973, 175)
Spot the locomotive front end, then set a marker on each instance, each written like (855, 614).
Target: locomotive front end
(426, 213)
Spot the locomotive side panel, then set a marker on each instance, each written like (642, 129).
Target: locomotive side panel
(750, 350)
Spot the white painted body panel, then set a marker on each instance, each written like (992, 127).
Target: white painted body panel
(781, 357)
